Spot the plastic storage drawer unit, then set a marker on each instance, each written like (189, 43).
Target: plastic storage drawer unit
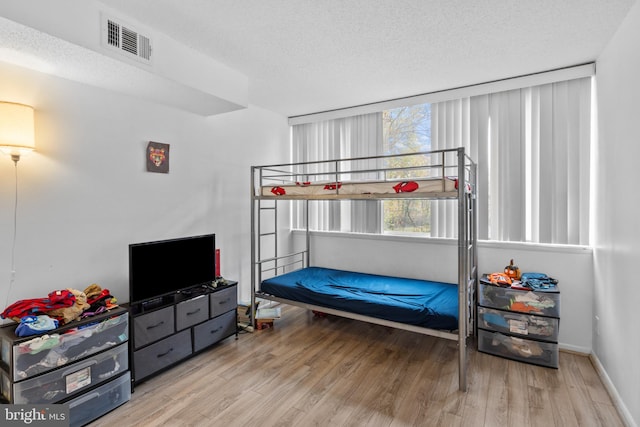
(527, 326)
(72, 379)
(47, 352)
(529, 302)
(525, 350)
(95, 403)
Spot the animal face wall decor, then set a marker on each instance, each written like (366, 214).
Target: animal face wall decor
(157, 157)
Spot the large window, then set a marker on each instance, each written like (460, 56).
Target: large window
(531, 145)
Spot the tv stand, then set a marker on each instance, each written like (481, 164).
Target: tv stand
(170, 329)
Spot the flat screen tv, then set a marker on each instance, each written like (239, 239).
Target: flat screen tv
(167, 266)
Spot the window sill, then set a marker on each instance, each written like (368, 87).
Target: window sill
(494, 244)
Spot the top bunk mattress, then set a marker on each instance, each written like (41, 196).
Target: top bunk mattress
(351, 188)
(416, 302)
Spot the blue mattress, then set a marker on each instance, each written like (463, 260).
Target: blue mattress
(417, 302)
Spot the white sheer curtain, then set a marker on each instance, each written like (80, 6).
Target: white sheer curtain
(532, 146)
(356, 136)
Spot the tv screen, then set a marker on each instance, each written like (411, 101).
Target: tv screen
(166, 266)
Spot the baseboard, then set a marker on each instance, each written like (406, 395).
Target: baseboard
(613, 392)
(574, 349)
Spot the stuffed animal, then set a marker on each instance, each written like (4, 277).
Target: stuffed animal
(69, 314)
(93, 290)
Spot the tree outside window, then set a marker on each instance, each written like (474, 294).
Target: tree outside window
(406, 130)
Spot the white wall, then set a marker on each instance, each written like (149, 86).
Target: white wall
(437, 260)
(617, 251)
(84, 195)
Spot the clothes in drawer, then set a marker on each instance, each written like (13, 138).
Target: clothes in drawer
(153, 326)
(95, 403)
(528, 326)
(529, 302)
(214, 330)
(47, 352)
(72, 379)
(223, 301)
(161, 354)
(192, 312)
(516, 348)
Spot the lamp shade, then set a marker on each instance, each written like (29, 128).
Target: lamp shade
(16, 128)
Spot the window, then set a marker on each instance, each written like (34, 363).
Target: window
(532, 147)
(406, 130)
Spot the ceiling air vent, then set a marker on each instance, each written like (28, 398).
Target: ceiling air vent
(122, 37)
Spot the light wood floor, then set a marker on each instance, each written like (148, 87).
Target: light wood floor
(331, 371)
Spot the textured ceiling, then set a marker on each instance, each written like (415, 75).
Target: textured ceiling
(305, 56)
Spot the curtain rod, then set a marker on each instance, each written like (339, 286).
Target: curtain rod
(498, 85)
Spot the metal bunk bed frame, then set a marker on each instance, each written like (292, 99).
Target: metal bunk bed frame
(467, 273)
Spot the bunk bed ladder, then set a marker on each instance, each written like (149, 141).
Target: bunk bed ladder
(259, 237)
(467, 259)
(263, 235)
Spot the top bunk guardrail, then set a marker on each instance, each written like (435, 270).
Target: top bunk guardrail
(428, 174)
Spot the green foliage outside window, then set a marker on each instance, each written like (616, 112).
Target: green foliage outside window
(407, 130)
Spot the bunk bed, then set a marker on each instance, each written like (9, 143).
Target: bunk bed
(445, 310)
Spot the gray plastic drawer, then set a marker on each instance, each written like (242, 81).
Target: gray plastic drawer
(72, 379)
(516, 348)
(162, 354)
(47, 352)
(95, 403)
(153, 326)
(223, 301)
(214, 330)
(524, 325)
(529, 302)
(192, 312)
